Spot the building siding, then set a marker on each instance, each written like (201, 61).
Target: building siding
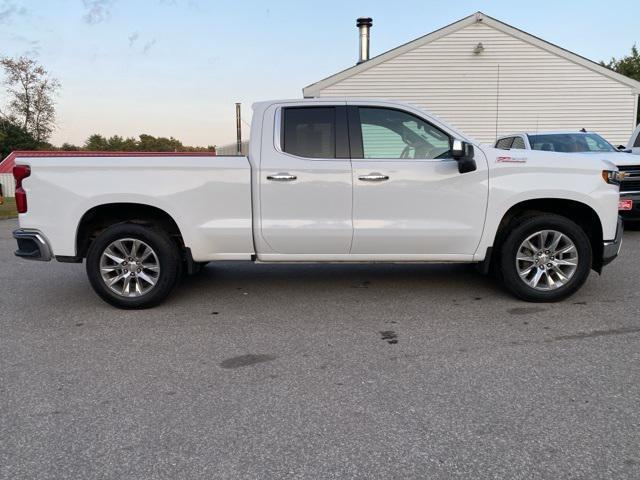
(8, 184)
(511, 86)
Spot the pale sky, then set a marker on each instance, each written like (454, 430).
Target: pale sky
(176, 67)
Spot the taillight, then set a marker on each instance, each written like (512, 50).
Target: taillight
(20, 172)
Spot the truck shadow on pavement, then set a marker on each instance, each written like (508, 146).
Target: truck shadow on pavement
(435, 281)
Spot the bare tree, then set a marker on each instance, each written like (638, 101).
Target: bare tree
(31, 96)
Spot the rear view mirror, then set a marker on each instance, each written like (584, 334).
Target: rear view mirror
(463, 153)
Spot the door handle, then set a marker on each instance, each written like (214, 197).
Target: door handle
(374, 177)
(281, 177)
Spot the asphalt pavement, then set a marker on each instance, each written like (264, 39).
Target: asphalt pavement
(319, 372)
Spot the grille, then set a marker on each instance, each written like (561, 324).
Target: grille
(632, 182)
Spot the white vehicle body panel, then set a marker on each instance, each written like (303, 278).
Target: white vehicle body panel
(527, 177)
(310, 214)
(209, 198)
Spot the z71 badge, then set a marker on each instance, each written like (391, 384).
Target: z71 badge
(511, 160)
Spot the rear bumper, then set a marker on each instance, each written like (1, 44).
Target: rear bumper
(611, 248)
(32, 245)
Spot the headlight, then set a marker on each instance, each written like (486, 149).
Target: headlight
(613, 177)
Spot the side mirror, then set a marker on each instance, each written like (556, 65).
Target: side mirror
(622, 148)
(463, 153)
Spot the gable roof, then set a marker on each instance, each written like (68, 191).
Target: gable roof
(315, 88)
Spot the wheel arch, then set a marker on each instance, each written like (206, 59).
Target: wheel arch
(99, 217)
(580, 213)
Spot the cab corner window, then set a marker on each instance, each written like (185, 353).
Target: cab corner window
(504, 143)
(309, 132)
(518, 143)
(394, 134)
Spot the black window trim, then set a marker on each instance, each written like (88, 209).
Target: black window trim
(341, 131)
(355, 134)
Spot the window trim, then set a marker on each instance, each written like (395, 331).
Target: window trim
(342, 151)
(357, 145)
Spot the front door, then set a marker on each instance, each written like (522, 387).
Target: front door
(409, 198)
(306, 182)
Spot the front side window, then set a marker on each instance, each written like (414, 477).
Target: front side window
(393, 134)
(570, 143)
(309, 132)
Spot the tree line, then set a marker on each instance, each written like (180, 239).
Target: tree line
(28, 116)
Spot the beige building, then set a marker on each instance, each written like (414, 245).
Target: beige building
(488, 78)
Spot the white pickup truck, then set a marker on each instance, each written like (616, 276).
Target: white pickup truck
(326, 180)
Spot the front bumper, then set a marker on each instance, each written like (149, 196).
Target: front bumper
(32, 245)
(611, 248)
(633, 214)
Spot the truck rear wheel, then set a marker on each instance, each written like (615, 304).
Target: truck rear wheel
(545, 258)
(133, 266)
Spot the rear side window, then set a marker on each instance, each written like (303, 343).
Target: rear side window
(309, 132)
(504, 143)
(518, 142)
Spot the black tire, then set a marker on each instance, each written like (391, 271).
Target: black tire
(167, 253)
(527, 227)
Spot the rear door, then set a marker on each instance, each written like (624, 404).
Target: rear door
(409, 198)
(306, 183)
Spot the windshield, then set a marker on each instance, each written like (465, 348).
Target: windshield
(570, 142)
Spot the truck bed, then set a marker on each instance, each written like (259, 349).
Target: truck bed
(208, 196)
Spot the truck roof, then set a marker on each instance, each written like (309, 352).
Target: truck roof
(554, 132)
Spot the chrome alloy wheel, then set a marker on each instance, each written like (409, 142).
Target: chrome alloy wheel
(547, 260)
(129, 267)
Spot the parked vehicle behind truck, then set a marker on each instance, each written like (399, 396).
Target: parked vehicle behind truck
(326, 180)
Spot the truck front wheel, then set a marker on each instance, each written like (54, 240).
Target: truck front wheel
(545, 258)
(133, 266)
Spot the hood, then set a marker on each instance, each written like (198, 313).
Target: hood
(621, 159)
